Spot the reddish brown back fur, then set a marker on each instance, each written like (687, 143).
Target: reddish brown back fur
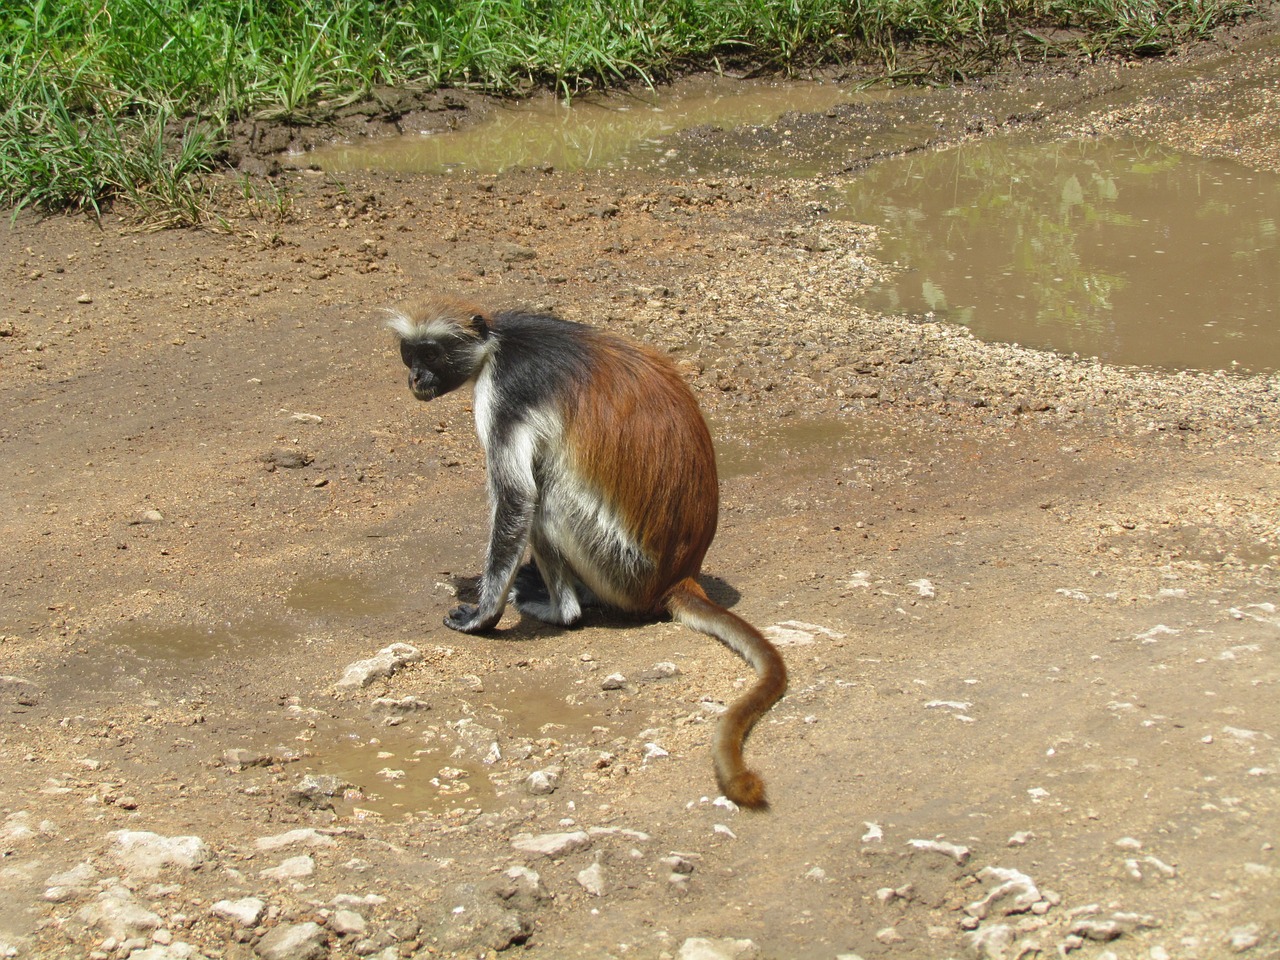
(637, 432)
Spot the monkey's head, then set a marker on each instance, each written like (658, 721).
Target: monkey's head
(443, 343)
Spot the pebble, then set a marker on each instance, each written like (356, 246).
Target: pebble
(1015, 892)
(614, 681)
(542, 782)
(295, 941)
(245, 912)
(956, 852)
(116, 914)
(317, 790)
(347, 923)
(592, 879)
(303, 836)
(1243, 938)
(295, 868)
(387, 661)
(552, 844)
(704, 948)
(146, 853)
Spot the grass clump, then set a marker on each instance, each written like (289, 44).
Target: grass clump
(127, 99)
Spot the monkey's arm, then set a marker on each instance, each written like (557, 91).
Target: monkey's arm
(513, 497)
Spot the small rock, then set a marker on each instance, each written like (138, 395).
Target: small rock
(318, 790)
(704, 948)
(1243, 938)
(286, 458)
(956, 852)
(19, 690)
(540, 783)
(551, 844)
(347, 923)
(84, 298)
(889, 935)
(388, 660)
(294, 941)
(400, 708)
(990, 942)
(592, 880)
(146, 853)
(295, 868)
(116, 914)
(1102, 931)
(245, 912)
(677, 864)
(303, 836)
(614, 681)
(664, 670)
(238, 758)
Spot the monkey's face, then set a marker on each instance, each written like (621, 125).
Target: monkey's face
(435, 369)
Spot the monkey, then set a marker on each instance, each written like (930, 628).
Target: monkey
(600, 465)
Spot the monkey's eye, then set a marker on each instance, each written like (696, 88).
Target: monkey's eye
(412, 353)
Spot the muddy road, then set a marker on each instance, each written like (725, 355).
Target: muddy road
(1028, 602)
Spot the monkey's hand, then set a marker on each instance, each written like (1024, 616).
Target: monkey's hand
(466, 618)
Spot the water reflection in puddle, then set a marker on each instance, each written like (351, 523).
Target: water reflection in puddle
(1130, 252)
(179, 642)
(395, 773)
(788, 441)
(617, 130)
(336, 596)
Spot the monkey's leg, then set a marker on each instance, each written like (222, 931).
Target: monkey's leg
(513, 509)
(545, 589)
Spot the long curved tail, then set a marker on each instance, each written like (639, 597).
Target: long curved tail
(690, 605)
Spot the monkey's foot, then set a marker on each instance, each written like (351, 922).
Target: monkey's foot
(466, 618)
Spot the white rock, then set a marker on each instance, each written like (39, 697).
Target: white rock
(653, 751)
(1014, 891)
(544, 781)
(304, 836)
(874, 832)
(990, 942)
(924, 588)
(551, 844)
(169, 951)
(388, 660)
(704, 948)
(116, 914)
(245, 912)
(295, 868)
(956, 852)
(295, 941)
(593, 881)
(347, 923)
(146, 853)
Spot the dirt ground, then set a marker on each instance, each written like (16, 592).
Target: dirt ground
(1028, 602)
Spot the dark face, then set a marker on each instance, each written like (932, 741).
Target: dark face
(434, 369)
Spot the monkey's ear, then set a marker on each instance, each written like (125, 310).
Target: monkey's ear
(479, 324)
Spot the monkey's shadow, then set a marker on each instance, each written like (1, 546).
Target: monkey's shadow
(467, 590)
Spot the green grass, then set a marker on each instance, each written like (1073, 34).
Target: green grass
(100, 101)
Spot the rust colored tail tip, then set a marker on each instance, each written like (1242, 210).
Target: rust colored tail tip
(747, 791)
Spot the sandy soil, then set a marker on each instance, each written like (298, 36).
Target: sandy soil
(1028, 602)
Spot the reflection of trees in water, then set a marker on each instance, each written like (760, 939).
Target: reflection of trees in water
(1052, 236)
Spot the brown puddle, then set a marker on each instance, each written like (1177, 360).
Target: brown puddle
(1126, 251)
(835, 442)
(394, 773)
(534, 709)
(337, 596)
(609, 131)
(173, 642)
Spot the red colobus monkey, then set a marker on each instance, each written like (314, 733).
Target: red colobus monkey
(600, 463)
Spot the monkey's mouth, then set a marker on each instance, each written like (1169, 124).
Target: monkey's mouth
(425, 393)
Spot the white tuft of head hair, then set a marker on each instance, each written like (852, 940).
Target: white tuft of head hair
(438, 320)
